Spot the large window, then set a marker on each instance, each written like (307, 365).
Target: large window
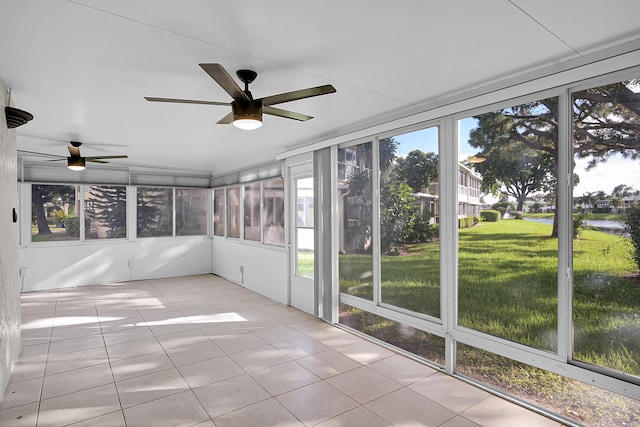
(273, 211)
(252, 212)
(218, 212)
(508, 267)
(355, 211)
(55, 212)
(191, 211)
(155, 212)
(105, 212)
(260, 204)
(409, 236)
(606, 292)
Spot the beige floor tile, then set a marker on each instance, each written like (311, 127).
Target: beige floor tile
(209, 371)
(126, 335)
(496, 412)
(66, 332)
(114, 419)
(179, 410)
(300, 347)
(171, 326)
(180, 339)
(363, 385)
(449, 392)
(133, 348)
(316, 402)
(20, 416)
(402, 369)
(236, 343)
(267, 413)
(328, 363)
(150, 387)
(75, 344)
(197, 352)
(259, 358)
(459, 421)
(405, 407)
(365, 352)
(284, 377)
(230, 394)
(79, 406)
(222, 330)
(25, 370)
(21, 393)
(76, 360)
(334, 337)
(358, 417)
(79, 379)
(279, 334)
(132, 367)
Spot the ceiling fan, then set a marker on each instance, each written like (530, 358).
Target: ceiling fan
(246, 112)
(75, 161)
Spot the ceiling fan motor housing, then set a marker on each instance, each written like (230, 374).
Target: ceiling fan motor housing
(250, 110)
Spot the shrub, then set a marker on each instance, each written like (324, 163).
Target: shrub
(490, 215)
(579, 223)
(466, 222)
(72, 224)
(632, 226)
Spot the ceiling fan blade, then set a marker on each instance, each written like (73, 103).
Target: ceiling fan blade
(297, 94)
(286, 114)
(228, 119)
(95, 161)
(94, 158)
(74, 151)
(57, 160)
(224, 79)
(185, 101)
(42, 154)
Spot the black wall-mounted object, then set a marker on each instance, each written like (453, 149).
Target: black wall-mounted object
(16, 117)
(15, 215)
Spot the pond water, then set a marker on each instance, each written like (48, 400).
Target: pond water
(612, 227)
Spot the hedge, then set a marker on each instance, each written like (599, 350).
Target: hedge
(490, 215)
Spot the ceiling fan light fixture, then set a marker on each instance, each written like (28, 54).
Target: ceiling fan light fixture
(247, 115)
(76, 163)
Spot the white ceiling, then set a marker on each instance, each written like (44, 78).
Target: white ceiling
(83, 67)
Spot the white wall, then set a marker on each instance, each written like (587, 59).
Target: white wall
(264, 268)
(50, 265)
(10, 345)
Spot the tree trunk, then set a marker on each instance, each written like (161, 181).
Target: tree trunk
(41, 217)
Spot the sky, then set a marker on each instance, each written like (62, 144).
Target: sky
(604, 177)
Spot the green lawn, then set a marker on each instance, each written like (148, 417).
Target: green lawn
(508, 288)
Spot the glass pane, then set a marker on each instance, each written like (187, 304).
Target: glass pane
(54, 209)
(191, 211)
(401, 335)
(218, 212)
(273, 205)
(590, 405)
(507, 266)
(233, 212)
(304, 227)
(409, 232)
(105, 212)
(606, 257)
(355, 213)
(155, 212)
(252, 212)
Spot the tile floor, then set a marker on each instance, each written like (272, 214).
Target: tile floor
(201, 351)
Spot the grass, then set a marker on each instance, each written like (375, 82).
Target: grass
(507, 287)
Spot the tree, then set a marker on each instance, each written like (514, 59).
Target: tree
(107, 207)
(622, 190)
(399, 213)
(606, 120)
(418, 169)
(615, 203)
(58, 195)
(632, 226)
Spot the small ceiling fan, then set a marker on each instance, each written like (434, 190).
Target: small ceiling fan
(75, 161)
(246, 112)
